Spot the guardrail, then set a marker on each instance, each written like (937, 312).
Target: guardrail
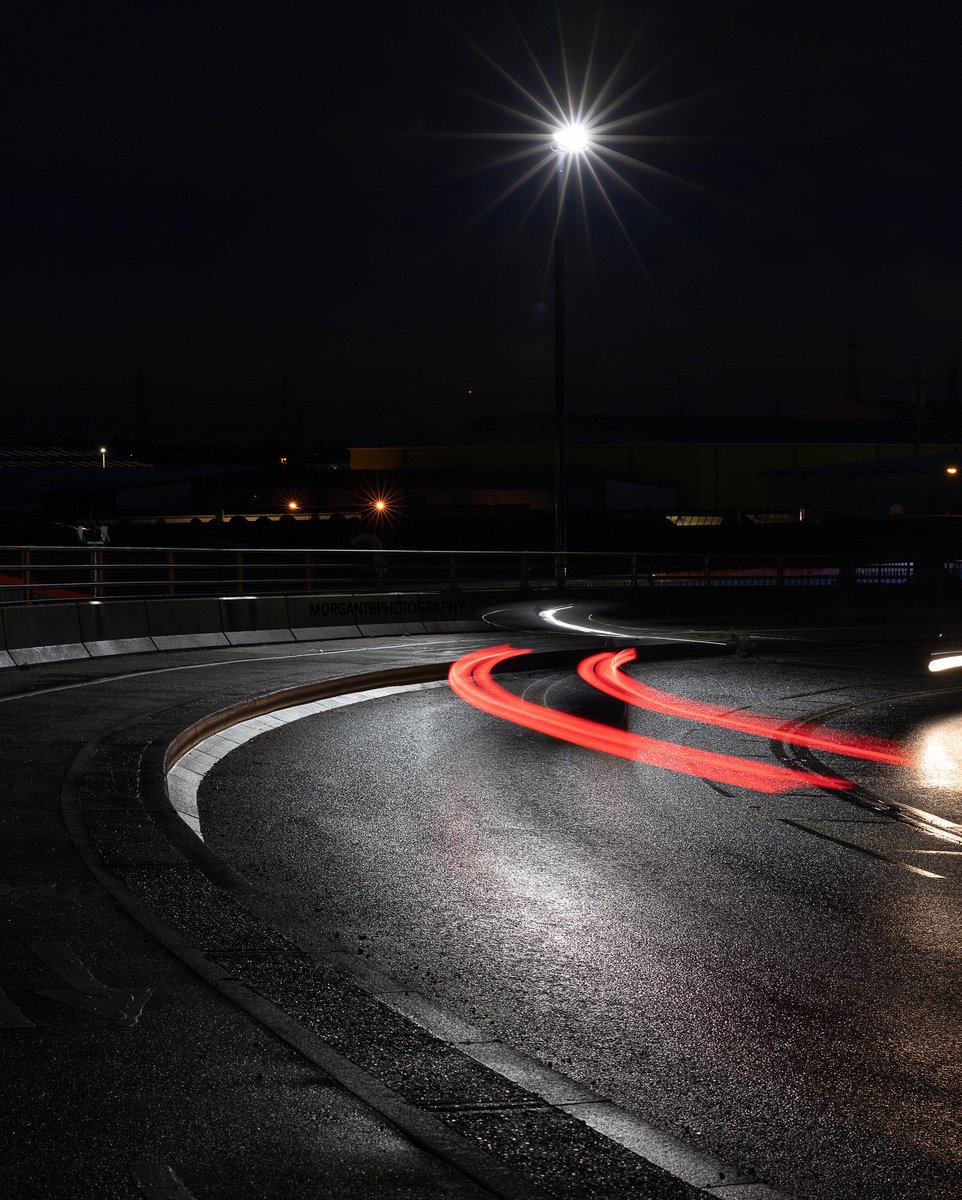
(44, 574)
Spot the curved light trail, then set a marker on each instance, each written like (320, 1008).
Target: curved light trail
(603, 672)
(470, 678)
(550, 617)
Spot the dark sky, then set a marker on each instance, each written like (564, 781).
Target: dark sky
(224, 192)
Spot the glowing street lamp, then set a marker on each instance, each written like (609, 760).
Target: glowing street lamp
(574, 137)
(570, 140)
(103, 457)
(578, 132)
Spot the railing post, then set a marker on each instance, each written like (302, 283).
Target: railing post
(26, 575)
(380, 569)
(169, 561)
(98, 572)
(308, 571)
(239, 571)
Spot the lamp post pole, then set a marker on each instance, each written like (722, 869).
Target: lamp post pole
(560, 483)
(570, 141)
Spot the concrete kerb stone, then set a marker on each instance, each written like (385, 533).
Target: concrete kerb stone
(306, 693)
(320, 617)
(682, 1162)
(40, 633)
(254, 620)
(186, 624)
(115, 627)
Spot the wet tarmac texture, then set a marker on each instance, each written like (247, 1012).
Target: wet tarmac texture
(702, 955)
(124, 1075)
(786, 1001)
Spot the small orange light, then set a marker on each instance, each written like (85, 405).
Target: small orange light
(293, 505)
(380, 505)
(951, 470)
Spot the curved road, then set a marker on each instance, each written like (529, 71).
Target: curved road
(774, 978)
(770, 978)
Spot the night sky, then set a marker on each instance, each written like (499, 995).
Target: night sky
(221, 193)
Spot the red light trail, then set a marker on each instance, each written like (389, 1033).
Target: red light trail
(470, 678)
(603, 672)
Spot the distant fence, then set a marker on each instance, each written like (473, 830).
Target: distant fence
(42, 574)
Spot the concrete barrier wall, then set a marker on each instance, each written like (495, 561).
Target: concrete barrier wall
(385, 614)
(186, 624)
(117, 627)
(39, 633)
(249, 620)
(317, 618)
(457, 612)
(50, 632)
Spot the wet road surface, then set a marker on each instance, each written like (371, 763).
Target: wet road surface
(775, 978)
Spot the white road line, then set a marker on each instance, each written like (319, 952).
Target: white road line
(158, 1182)
(10, 1016)
(231, 662)
(654, 1145)
(877, 854)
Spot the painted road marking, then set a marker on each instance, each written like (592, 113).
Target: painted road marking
(84, 991)
(892, 862)
(695, 1167)
(158, 1182)
(228, 662)
(10, 1016)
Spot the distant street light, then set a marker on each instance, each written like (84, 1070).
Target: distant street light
(569, 140)
(103, 457)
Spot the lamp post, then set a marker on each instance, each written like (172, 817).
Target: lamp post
(569, 140)
(103, 457)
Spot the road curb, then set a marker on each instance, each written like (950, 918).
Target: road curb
(692, 1168)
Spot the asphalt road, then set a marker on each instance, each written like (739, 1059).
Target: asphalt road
(774, 978)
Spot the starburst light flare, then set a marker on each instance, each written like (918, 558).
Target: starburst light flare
(574, 137)
(585, 113)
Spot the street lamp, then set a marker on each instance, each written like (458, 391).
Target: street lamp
(103, 457)
(569, 140)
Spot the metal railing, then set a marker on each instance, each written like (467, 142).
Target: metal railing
(44, 574)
